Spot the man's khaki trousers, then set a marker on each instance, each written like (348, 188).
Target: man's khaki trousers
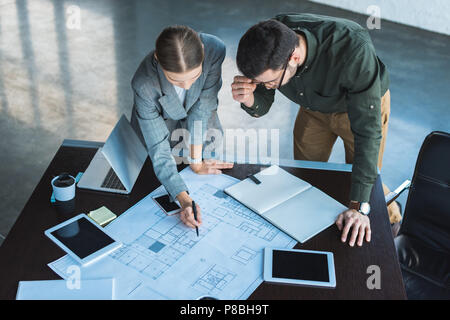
(315, 134)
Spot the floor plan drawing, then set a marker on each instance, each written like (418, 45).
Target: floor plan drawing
(161, 246)
(161, 258)
(232, 212)
(244, 255)
(214, 280)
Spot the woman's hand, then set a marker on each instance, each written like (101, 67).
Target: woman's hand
(210, 166)
(187, 213)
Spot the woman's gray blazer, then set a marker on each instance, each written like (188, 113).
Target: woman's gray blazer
(156, 102)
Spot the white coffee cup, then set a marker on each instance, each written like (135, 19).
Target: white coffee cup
(64, 193)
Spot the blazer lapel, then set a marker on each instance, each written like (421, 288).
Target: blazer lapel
(193, 93)
(169, 99)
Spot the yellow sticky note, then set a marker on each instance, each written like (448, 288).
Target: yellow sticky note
(102, 216)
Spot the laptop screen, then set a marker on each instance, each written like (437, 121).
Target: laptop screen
(125, 152)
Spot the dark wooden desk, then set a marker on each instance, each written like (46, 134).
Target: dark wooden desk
(26, 252)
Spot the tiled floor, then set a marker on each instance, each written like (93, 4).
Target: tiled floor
(58, 82)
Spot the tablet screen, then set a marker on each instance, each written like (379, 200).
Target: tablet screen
(82, 237)
(300, 266)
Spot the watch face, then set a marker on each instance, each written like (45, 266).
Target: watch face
(365, 208)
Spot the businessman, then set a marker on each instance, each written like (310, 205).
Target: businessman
(329, 67)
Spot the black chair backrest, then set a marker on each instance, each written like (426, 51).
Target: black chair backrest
(427, 212)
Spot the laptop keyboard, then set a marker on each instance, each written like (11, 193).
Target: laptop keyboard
(112, 181)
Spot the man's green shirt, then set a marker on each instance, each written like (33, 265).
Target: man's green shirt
(341, 73)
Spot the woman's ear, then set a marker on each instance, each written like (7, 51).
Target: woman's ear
(156, 57)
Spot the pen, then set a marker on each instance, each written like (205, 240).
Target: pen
(195, 214)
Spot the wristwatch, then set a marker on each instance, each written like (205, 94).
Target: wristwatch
(361, 207)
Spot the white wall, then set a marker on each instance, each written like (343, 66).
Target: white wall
(433, 15)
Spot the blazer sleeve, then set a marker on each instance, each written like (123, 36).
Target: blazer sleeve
(200, 112)
(156, 137)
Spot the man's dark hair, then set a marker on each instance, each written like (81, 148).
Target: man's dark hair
(266, 45)
(179, 49)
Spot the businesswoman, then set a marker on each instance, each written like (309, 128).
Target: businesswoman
(176, 87)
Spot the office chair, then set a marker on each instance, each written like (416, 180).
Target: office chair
(423, 241)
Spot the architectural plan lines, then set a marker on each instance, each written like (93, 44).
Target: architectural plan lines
(161, 246)
(161, 258)
(244, 255)
(214, 280)
(226, 209)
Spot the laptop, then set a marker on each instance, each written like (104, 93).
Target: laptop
(116, 166)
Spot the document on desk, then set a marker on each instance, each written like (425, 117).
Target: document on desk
(290, 203)
(163, 259)
(100, 289)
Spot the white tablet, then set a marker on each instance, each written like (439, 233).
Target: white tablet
(300, 267)
(82, 239)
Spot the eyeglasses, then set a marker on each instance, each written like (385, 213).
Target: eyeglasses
(284, 72)
(282, 75)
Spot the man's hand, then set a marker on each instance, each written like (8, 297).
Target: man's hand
(359, 223)
(186, 212)
(242, 89)
(210, 166)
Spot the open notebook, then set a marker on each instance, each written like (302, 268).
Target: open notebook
(289, 203)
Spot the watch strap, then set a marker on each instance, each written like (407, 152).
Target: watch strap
(358, 207)
(354, 205)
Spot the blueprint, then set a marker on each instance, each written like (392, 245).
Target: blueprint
(161, 258)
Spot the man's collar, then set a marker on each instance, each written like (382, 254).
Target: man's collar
(311, 49)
